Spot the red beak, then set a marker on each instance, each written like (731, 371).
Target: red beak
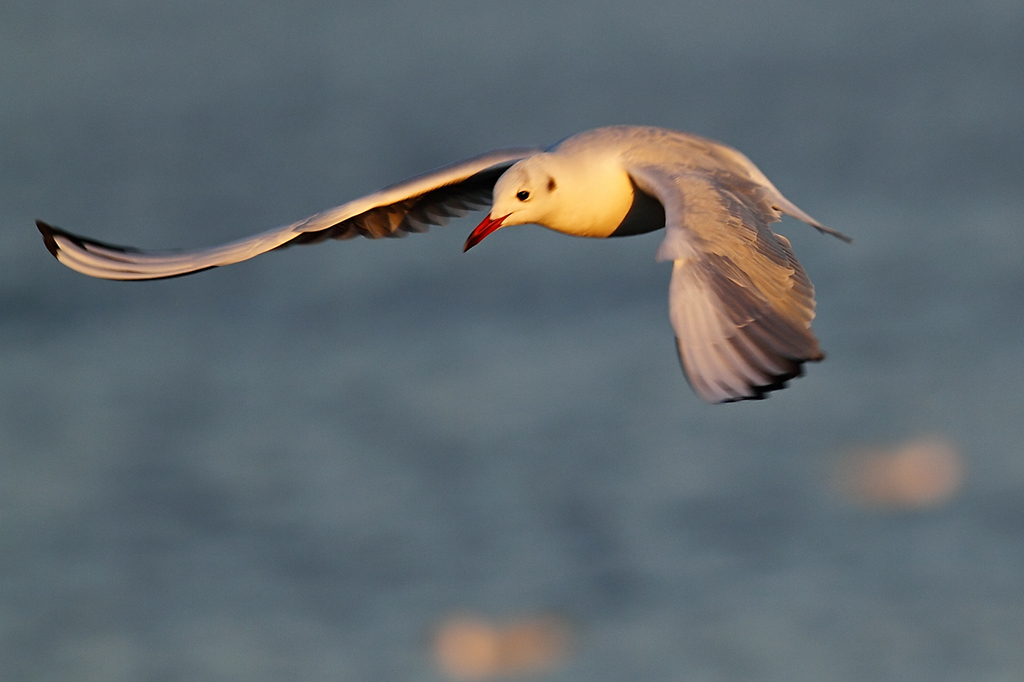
(482, 230)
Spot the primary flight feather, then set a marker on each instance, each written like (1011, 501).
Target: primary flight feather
(740, 303)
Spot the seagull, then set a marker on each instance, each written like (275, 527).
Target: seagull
(739, 302)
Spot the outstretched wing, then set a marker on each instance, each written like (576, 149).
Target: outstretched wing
(409, 206)
(740, 303)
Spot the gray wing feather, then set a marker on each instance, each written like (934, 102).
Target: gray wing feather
(410, 206)
(740, 303)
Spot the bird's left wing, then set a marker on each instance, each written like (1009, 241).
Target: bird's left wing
(409, 206)
(740, 303)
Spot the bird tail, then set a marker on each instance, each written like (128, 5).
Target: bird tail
(789, 208)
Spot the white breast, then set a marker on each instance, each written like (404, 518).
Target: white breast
(594, 192)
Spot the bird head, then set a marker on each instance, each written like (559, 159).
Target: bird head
(522, 196)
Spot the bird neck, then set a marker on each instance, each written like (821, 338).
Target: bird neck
(595, 196)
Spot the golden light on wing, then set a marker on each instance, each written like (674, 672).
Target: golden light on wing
(739, 301)
(729, 218)
(408, 206)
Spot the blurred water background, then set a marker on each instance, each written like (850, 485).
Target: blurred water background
(296, 467)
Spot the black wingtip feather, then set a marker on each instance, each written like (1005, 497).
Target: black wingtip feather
(48, 231)
(779, 381)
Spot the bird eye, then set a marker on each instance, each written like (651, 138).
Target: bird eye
(522, 195)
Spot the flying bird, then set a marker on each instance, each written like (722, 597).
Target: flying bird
(739, 302)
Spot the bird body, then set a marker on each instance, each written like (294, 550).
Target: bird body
(740, 303)
(592, 190)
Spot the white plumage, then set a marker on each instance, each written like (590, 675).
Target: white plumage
(740, 303)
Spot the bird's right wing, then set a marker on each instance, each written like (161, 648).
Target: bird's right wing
(409, 206)
(740, 303)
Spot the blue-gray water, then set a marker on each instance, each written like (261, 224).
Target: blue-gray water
(291, 468)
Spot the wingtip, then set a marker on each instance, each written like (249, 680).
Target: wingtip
(48, 231)
(777, 381)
